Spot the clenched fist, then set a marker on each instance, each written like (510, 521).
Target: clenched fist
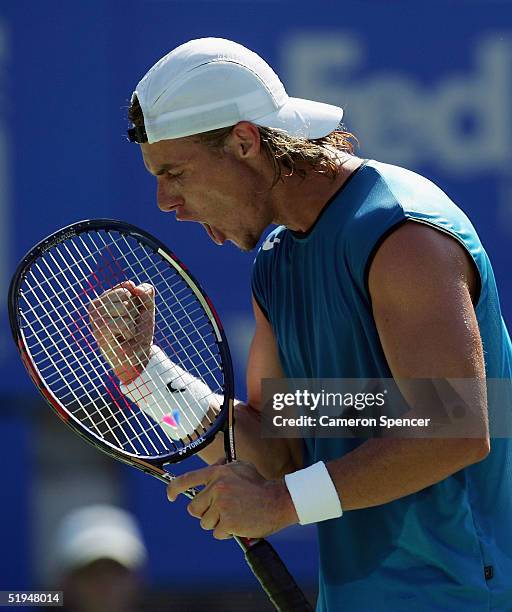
(123, 323)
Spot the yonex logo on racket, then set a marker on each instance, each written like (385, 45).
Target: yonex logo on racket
(193, 444)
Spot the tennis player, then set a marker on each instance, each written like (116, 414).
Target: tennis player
(372, 272)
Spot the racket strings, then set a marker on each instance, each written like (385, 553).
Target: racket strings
(92, 401)
(178, 320)
(192, 408)
(129, 438)
(112, 380)
(48, 370)
(119, 399)
(177, 303)
(66, 360)
(186, 346)
(120, 275)
(54, 308)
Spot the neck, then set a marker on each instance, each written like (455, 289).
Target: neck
(298, 201)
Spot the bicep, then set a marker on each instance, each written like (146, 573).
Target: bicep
(421, 285)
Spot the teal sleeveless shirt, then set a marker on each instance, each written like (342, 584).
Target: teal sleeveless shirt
(449, 546)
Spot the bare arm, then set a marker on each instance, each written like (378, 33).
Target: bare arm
(421, 284)
(272, 457)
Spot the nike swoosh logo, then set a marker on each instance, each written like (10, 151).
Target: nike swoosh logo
(173, 390)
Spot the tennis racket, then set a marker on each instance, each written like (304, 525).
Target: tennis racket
(61, 292)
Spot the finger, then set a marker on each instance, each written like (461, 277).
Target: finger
(127, 284)
(210, 519)
(146, 294)
(219, 533)
(189, 480)
(102, 309)
(123, 327)
(126, 308)
(201, 502)
(96, 311)
(121, 291)
(118, 316)
(101, 330)
(114, 330)
(119, 304)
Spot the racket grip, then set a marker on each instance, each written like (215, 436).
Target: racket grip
(275, 578)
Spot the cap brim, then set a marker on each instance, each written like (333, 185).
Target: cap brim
(303, 118)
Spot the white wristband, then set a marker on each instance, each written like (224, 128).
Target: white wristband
(313, 494)
(171, 396)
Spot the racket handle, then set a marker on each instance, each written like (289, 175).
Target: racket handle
(275, 578)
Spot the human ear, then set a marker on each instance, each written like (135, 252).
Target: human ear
(245, 140)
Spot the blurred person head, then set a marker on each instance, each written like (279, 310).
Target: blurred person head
(99, 557)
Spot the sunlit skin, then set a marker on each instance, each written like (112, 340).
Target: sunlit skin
(230, 190)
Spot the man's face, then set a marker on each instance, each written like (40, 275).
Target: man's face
(227, 190)
(102, 584)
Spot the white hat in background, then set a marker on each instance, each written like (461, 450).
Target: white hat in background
(210, 83)
(99, 532)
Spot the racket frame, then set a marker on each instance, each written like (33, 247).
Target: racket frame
(150, 464)
(261, 557)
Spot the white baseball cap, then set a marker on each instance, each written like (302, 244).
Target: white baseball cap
(210, 83)
(99, 532)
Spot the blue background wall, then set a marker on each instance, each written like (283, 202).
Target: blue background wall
(425, 84)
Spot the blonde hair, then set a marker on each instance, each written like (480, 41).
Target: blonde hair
(288, 154)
